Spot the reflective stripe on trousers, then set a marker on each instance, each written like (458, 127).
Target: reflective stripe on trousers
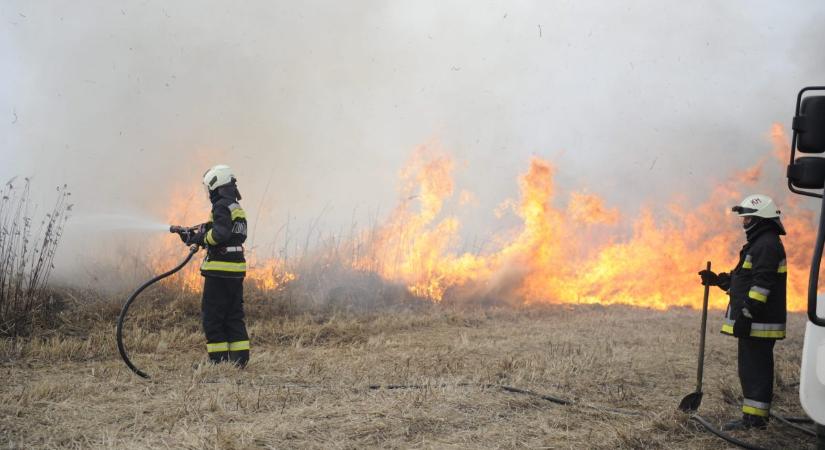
(238, 346)
(755, 368)
(756, 408)
(217, 347)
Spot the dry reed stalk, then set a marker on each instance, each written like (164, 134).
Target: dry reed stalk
(26, 254)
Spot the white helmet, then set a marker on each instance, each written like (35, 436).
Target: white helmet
(757, 205)
(217, 176)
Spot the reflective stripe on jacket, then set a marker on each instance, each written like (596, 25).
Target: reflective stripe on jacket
(225, 235)
(759, 282)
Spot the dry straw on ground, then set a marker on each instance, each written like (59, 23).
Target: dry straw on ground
(308, 383)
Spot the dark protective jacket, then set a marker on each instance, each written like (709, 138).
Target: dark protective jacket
(759, 282)
(225, 235)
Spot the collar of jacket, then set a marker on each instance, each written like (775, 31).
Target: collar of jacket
(230, 191)
(764, 226)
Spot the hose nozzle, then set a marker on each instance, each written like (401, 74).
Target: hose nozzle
(186, 233)
(177, 229)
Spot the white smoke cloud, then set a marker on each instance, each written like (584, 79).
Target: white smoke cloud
(323, 101)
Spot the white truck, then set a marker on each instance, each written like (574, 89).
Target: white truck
(806, 176)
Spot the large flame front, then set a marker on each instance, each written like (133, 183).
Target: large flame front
(583, 252)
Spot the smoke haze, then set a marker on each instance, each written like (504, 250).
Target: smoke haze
(317, 105)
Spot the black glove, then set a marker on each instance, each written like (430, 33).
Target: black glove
(724, 281)
(742, 327)
(194, 235)
(195, 239)
(709, 278)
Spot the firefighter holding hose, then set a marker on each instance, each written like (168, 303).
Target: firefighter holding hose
(756, 313)
(223, 269)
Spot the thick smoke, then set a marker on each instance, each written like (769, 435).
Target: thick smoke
(317, 105)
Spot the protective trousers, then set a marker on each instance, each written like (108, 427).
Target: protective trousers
(756, 375)
(223, 320)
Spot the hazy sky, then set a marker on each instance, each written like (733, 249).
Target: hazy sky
(324, 100)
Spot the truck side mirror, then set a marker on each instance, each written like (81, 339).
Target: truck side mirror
(808, 123)
(806, 176)
(808, 172)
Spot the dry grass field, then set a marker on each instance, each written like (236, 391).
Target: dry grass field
(308, 385)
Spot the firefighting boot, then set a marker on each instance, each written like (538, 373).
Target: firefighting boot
(747, 422)
(239, 358)
(239, 352)
(218, 357)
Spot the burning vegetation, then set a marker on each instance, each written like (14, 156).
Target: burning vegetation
(569, 248)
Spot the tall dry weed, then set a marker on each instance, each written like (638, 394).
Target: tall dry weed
(27, 253)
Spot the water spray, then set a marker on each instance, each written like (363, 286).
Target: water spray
(185, 233)
(118, 221)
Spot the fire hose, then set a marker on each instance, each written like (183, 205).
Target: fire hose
(739, 443)
(120, 347)
(787, 421)
(565, 402)
(561, 401)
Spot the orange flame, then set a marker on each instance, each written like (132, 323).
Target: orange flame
(557, 256)
(267, 274)
(190, 207)
(412, 248)
(583, 252)
(183, 208)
